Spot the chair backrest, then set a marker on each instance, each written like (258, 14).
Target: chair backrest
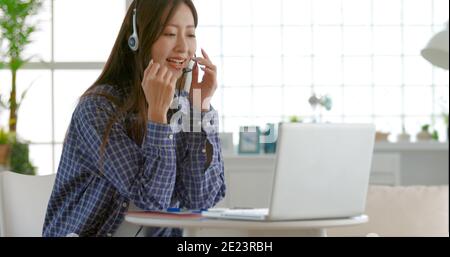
(23, 203)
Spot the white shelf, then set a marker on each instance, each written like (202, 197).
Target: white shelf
(419, 146)
(379, 147)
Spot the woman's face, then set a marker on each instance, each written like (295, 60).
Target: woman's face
(177, 43)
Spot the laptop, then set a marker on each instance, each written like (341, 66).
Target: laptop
(322, 172)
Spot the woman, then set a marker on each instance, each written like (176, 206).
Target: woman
(120, 153)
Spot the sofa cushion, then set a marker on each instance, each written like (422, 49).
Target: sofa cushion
(403, 211)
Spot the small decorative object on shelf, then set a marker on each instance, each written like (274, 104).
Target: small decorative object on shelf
(322, 101)
(381, 136)
(269, 139)
(249, 139)
(295, 119)
(425, 135)
(403, 137)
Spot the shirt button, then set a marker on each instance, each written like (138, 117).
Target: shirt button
(203, 150)
(124, 204)
(109, 235)
(170, 136)
(212, 122)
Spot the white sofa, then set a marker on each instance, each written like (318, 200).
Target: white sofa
(403, 211)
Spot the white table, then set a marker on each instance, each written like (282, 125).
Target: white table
(221, 227)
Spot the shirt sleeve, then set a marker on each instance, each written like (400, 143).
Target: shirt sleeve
(144, 174)
(200, 180)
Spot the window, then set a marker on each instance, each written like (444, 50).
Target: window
(271, 56)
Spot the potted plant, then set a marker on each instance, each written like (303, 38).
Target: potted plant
(15, 35)
(6, 140)
(426, 135)
(16, 31)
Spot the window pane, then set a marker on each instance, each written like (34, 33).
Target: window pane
(237, 71)
(327, 12)
(90, 38)
(266, 12)
(441, 77)
(5, 80)
(357, 12)
(236, 12)
(297, 12)
(295, 101)
(209, 39)
(267, 71)
(69, 86)
(34, 118)
(208, 12)
(387, 71)
(297, 41)
(232, 96)
(297, 71)
(358, 101)
(415, 39)
(357, 71)
(41, 157)
(267, 41)
(441, 100)
(267, 101)
(388, 101)
(328, 41)
(440, 12)
(327, 71)
(387, 40)
(418, 71)
(411, 9)
(387, 12)
(236, 41)
(217, 100)
(40, 47)
(357, 41)
(418, 101)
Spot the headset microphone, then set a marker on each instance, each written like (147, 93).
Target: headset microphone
(190, 67)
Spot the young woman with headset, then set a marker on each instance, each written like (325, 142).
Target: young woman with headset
(132, 142)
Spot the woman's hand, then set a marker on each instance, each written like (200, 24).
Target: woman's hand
(207, 86)
(159, 87)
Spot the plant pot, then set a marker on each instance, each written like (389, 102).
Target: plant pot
(4, 154)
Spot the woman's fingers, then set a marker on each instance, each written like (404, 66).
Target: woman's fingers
(205, 54)
(206, 62)
(161, 73)
(154, 68)
(168, 77)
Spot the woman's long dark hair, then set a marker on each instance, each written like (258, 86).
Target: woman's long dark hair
(124, 68)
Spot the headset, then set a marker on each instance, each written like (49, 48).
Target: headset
(133, 41)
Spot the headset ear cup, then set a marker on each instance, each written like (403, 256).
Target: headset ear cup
(133, 42)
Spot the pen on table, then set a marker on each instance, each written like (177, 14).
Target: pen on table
(175, 209)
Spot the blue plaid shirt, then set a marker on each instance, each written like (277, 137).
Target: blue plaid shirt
(167, 170)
